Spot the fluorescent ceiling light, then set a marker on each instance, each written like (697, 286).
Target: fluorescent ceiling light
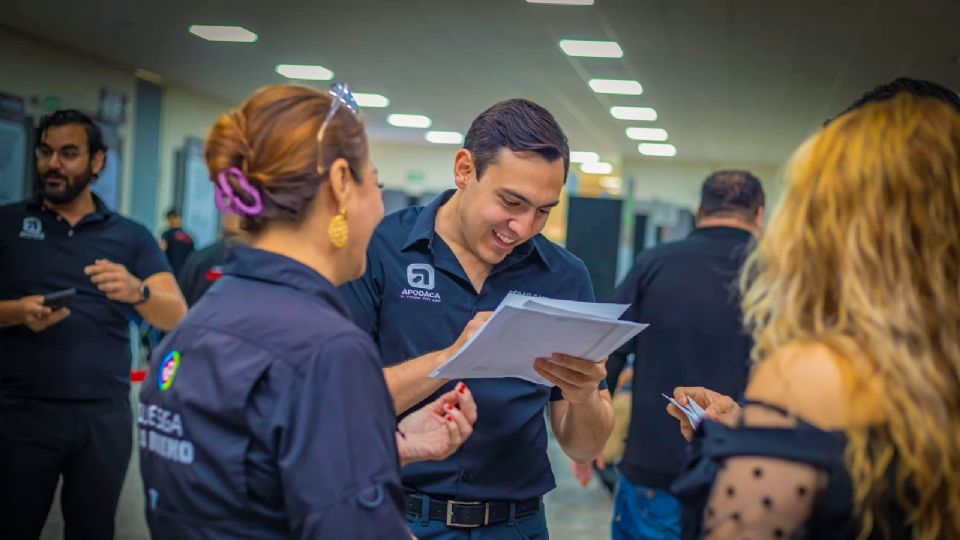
(597, 167)
(444, 137)
(409, 120)
(616, 86)
(584, 157)
(651, 149)
(591, 49)
(634, 113)
(563, 2)
(611, 182)
(646, 134)
(148, 75)
(236, 34)
(309, 73)
(371, 100)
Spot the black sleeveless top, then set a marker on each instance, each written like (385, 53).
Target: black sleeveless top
(778, 478)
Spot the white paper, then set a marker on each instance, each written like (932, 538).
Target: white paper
(593, 309)
(525, 328)
(693, 410)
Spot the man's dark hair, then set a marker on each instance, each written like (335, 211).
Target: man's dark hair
(70, 116)
(519, 125)
(916, 87)
(173, 212)
(731, 193)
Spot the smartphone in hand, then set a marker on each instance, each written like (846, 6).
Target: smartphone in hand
(59, 299)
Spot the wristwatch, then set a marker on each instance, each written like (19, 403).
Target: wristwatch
(144, 293)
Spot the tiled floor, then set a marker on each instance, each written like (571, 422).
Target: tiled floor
(573, 513)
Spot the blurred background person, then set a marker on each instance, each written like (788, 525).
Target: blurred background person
(204, 267)
(175, 242)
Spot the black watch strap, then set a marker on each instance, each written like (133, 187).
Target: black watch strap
(144, 293)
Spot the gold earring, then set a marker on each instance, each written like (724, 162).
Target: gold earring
(338, 231)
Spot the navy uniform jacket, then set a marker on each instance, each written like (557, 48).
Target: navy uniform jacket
(265, 415)
(416, 298)
(87, 355)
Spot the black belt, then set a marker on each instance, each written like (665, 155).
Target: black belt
(471, 514)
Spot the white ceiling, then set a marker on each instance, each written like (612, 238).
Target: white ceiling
(732, 80)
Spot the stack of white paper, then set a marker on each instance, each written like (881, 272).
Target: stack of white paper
(524, 328)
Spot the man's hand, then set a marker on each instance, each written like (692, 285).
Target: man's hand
(472, 327)
(115, 281)
(578, 378)
(437, 430)
(717, 407)
(583, 472)
(38, 317)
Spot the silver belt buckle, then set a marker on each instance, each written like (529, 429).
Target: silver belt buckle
(452, 523)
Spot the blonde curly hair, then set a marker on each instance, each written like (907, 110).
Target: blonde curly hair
(864, 256)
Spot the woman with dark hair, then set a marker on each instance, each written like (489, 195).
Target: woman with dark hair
(265, 413)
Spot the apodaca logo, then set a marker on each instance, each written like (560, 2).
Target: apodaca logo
(422, 279)
(420, 276)
(32, 229)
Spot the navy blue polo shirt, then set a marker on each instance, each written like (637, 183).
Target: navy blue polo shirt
(265, 415)
(87, 355)
(687, 292)
(179, 247)
(415, 298)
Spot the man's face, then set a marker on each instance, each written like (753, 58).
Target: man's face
(64, 164)
(509, 204)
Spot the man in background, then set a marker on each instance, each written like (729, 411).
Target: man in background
(175, 242)
(687, 292)
(203, 267)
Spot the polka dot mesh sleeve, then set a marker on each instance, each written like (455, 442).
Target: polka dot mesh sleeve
(761, 497)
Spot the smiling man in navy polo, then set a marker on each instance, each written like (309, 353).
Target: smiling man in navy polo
(431, 270)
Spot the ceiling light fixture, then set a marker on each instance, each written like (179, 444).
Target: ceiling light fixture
(304, 72)
(591, 49)
(645, 114)
(611, 182)
(653, 149)
(444, 137)
(616, 86)
(409, 120)
(236, 34)
(646, 134)
(584, 157)
(597, 167)
(371, 100)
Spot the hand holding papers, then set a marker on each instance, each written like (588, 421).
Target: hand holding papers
(524, 328)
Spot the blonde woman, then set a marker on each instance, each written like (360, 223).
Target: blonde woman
(851, 426)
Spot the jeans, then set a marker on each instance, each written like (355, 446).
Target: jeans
(643, 513)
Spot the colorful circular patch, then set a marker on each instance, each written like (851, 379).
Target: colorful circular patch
(168, 370)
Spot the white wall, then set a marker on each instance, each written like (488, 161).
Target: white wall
(678, 182)
(185, 114)
(31, 67)
(399, 165)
